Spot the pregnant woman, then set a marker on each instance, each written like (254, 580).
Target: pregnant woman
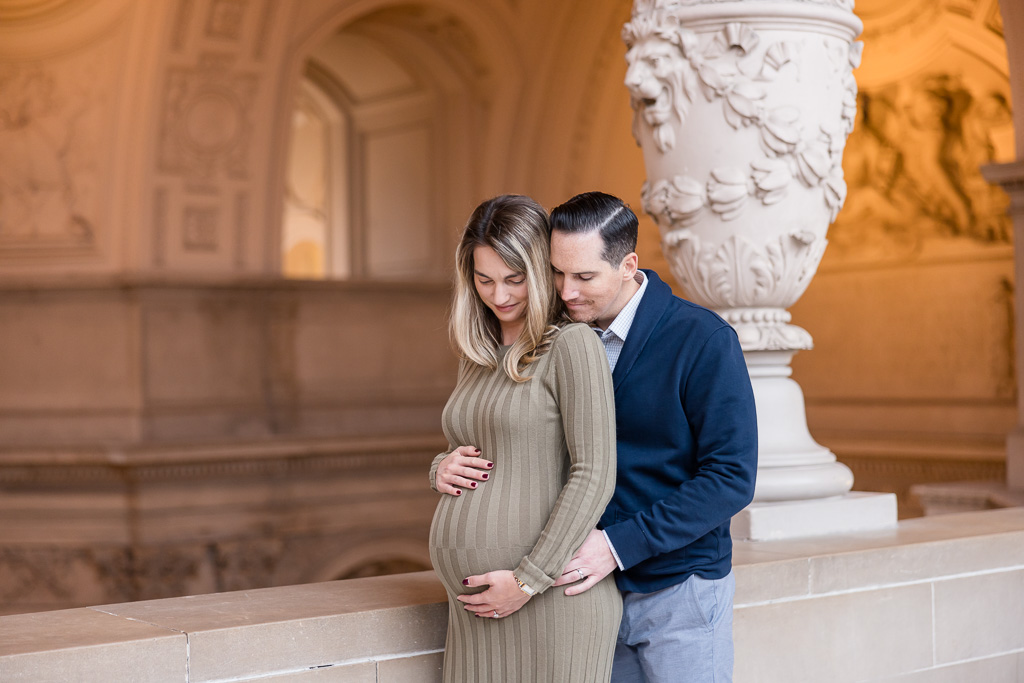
(533, 406)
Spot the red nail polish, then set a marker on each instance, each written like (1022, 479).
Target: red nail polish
(472, 484)
(490, 465)
(465, 582)
(485, 475)
(476, 450)
(458, 492)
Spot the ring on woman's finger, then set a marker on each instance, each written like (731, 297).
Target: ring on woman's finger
(496, 616)
(582, 575)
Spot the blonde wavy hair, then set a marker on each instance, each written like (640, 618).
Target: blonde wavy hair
(516, 227)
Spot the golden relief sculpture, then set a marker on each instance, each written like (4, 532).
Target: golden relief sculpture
(912, 163)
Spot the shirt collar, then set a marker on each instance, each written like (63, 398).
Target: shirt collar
(624, 320)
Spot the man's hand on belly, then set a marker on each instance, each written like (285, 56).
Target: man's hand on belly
(591, 563)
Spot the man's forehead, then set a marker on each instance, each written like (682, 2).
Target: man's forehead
(578, 252)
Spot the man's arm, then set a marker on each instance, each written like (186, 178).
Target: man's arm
(719, 405)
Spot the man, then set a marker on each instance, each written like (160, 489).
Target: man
(687, 450)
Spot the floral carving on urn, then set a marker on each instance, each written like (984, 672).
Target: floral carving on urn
(743, 120)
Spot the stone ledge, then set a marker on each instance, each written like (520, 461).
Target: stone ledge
(292, 630)
(932, 596)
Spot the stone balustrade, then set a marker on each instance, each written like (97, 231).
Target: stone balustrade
(937, 599)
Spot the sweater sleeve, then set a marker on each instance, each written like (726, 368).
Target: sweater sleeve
(582, 385)
(719, 404)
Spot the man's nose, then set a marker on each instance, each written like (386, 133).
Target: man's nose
(567, 292)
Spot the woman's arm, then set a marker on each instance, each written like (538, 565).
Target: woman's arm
(586, 400)
(582, 383)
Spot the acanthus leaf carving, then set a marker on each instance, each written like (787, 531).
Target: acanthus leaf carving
(794, 260)
(738, 273)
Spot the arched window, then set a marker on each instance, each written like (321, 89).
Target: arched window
(380, 167)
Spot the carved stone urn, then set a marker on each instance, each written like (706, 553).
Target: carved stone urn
(742, 109)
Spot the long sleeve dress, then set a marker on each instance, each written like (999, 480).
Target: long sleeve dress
(552, 441)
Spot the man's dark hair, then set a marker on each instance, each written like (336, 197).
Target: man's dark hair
(611, 216)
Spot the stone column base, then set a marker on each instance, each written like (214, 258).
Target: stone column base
(855, 511)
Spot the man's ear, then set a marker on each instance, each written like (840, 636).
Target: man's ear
(629, 266)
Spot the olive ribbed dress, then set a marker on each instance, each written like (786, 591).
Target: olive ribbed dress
(552, 441)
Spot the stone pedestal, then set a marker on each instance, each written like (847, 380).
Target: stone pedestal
(852, 512)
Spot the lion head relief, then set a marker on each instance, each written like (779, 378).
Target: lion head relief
(658, 61)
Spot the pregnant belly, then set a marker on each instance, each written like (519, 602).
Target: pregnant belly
(473, 536)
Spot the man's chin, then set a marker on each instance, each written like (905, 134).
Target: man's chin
(581, 316)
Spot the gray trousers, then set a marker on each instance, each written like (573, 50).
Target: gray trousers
(682, 634)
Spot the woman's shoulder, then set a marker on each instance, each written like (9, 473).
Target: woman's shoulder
(576, 335)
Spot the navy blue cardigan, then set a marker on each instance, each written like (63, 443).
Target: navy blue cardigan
(687, 443)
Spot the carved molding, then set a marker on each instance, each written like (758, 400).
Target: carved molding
(207, 125)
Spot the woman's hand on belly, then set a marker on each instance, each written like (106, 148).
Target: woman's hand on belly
(500, 600)
(461, 469)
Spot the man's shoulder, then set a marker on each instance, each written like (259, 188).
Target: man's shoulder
(679, 313)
